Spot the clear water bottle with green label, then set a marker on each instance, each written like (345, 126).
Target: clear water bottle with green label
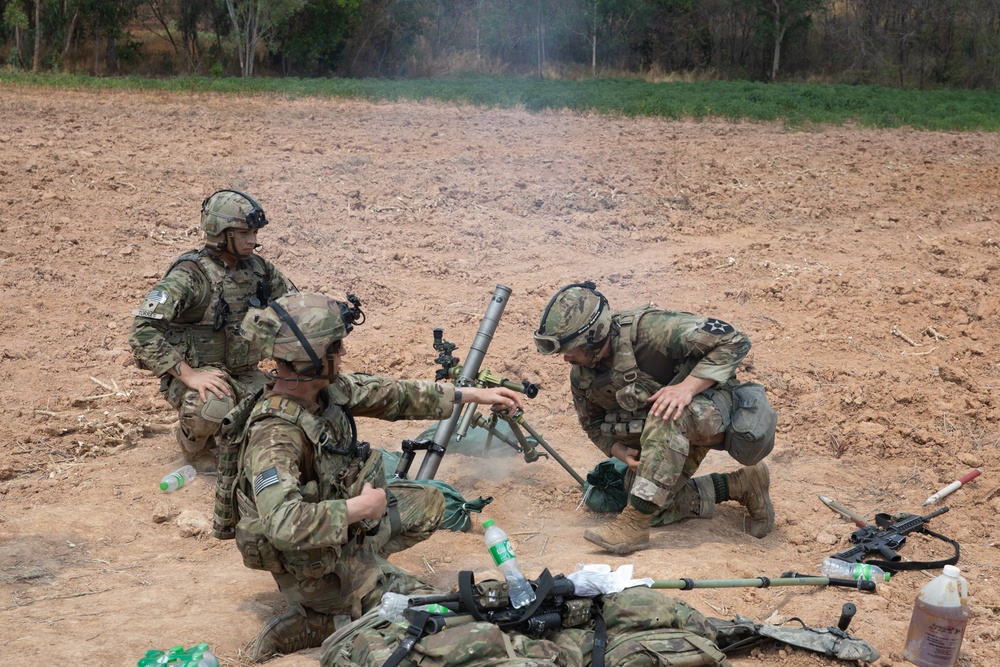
(519, 589)
(178, 478)
(178, 656)
(394, 604)
(838, 569)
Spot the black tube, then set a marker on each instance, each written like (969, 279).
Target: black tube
(846, 614)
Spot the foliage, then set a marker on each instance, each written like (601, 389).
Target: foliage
(795, 105)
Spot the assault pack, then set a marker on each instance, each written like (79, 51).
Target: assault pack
(638, 627)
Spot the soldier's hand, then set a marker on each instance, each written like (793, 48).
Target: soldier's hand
(628, 455)
(498, 396)
(371, 503)
(205, 380)
(669, 402)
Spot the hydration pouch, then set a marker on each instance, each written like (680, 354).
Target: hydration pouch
(750, 434)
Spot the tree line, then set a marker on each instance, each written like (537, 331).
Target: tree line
(905, 43)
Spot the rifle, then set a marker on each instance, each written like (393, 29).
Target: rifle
(888, 535)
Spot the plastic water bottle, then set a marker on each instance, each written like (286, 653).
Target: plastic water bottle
(520, 591)
(838, 569)
(937, 626)
(394, 604)
(177, 479)
(178, 656)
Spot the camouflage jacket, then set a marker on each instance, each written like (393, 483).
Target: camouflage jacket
(652, 348)
(299, 464)
(194, 313)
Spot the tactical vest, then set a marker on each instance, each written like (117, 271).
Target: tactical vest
(623, 390)
(332, 466)
(215, 340)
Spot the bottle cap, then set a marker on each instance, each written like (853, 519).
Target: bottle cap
(164, 486)
(488, 523)
(952, 571)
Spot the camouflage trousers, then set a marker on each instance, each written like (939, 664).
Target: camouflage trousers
(200, 420)
(421, 509)
(672, 450)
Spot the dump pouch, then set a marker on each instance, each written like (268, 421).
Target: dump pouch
(258, 552)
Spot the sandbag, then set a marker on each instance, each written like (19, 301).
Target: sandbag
(605, 490)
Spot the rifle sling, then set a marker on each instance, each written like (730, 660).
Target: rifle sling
(414, 633)
(889, 566)
(600, 634)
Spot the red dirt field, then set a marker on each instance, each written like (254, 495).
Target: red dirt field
(862, 263)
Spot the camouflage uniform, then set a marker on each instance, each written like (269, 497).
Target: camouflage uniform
(651, 348)
(194, 314)
(299, 465)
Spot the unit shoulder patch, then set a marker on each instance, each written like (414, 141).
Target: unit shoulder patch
(717, 327)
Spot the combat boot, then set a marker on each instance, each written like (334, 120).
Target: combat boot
(749, 487)
(627, 533)
(292, 630)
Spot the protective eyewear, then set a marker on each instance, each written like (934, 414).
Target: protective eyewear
(546, 344)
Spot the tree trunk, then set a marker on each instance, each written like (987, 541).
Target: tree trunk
(593, 43)
(18, 44)
(778, 33)
(68, 41)
(36, 62)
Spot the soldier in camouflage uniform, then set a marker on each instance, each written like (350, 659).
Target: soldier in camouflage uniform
(647, 386)
(186, 330)
(312, 502)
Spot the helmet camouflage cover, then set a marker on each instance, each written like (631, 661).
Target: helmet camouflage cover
(578, 314)
(316, 315)
(227, 209)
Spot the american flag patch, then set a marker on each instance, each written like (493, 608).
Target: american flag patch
(267, 478)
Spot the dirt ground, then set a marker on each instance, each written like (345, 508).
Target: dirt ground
(862, 263)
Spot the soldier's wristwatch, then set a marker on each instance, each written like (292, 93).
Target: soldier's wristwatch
(458, 396)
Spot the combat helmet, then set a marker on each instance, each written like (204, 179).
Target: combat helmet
(577, 316)
(229, 209)
(300, 328)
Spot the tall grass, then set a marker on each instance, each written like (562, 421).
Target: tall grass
(794, 104)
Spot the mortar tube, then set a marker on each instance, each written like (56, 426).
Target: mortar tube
(477, 352)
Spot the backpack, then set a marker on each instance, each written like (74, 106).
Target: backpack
(644, 628)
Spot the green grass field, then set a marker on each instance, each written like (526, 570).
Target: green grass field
(795, 105)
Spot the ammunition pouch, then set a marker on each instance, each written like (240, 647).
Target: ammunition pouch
(750, 423)
(625, 426)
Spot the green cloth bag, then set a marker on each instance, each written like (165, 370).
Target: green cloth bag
(457, 509)
(605, 487)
